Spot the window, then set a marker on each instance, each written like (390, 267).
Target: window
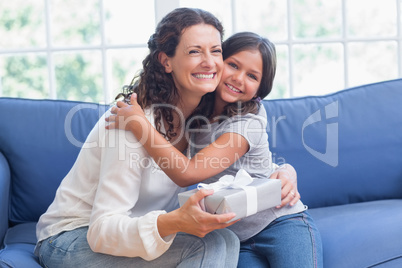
(72, 49)
(87, 50)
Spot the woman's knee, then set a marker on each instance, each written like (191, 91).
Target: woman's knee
(231, 240)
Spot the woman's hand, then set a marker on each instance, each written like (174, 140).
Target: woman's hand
(125, 116)
(191, 219)
(289, 194)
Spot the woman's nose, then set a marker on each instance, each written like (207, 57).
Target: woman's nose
(208, 60)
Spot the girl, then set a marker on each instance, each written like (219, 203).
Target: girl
(110, 210)
(278, 237)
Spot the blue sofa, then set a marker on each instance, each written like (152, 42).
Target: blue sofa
(346, 148)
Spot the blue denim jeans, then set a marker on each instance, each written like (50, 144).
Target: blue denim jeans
(289, 241)
(219, 248)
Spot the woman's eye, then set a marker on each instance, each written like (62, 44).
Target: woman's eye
(217, 51)
(193, 52)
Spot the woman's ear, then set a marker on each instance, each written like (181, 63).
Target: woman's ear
(165, 61)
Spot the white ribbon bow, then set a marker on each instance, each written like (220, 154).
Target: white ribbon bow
(228, 181)
(240, 181)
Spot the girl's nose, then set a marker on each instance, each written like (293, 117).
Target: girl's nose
(238, 77)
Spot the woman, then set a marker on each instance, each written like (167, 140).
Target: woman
(112, 210)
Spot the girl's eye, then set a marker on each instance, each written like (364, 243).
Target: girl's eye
(232, 65)
(253, 77)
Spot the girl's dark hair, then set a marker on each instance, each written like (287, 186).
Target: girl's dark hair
(153, 85)
(251, 41)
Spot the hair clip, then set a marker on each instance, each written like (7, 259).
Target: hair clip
(258, 99)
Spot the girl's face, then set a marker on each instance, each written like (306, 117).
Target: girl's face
(197, 65)
(241, 77)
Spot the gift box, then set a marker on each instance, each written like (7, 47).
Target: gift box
(240, 194)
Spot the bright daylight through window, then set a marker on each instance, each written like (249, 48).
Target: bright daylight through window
(87, 50)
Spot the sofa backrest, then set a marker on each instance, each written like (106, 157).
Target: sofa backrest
(40, 139)
(346, 146)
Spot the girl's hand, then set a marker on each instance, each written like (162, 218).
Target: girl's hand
(126, 117)
(289, 194)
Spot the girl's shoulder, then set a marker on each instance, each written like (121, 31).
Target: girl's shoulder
(260, 117)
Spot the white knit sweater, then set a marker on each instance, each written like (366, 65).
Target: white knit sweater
(117, 190)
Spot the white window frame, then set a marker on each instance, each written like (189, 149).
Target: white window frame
(162, 7)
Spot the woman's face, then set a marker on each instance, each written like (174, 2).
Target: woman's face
(241, 77)
(197, 65)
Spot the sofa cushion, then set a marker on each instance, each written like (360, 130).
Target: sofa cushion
(18, 247)
(345, 144)
(362, 234)
(40, 140)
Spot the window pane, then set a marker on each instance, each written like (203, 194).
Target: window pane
(367, 18)
(318, 69)
(24, 76)
(280, 88)
(75, 22)
(372, 62)
(268, 19)
(317, 18)
(124, 63)
(129, 22)
(22, 24)
(221, 9)
(79, 76)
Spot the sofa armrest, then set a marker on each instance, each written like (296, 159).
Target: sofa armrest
(4, 196)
